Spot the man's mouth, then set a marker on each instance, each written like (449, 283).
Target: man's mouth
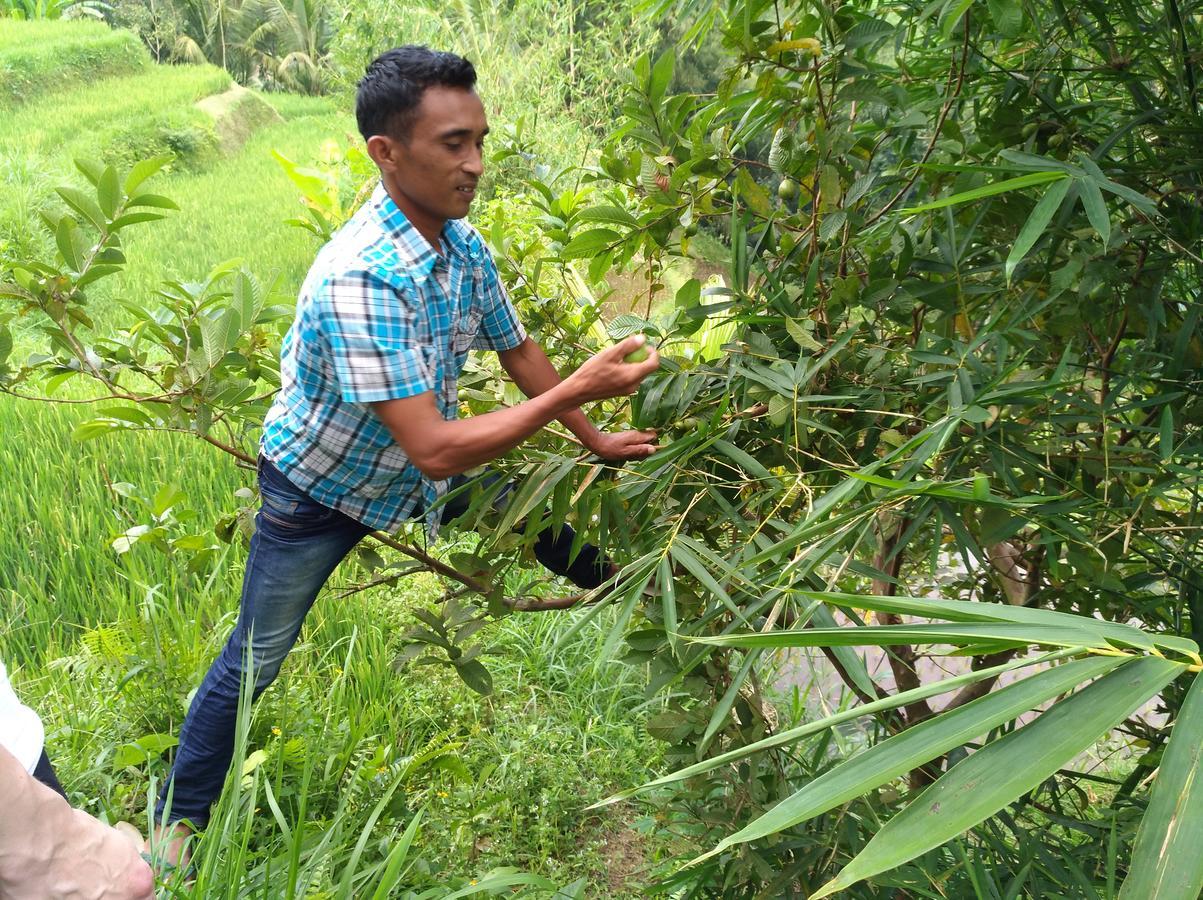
(468, 190)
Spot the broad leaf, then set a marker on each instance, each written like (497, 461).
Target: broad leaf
(988, 780)
(1166, 862)
(916, 746)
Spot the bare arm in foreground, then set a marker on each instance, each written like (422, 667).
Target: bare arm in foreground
(49, 851)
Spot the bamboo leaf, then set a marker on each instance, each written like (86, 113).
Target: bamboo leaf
(916, 746)
(989, 190)
(723, 708)
(1096, 209)
(1166, 862)
(781, 739)
(891, 635)
(974, 611)
(990, 779)
(1037, 223)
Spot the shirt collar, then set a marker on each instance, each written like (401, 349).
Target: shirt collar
(414, 249)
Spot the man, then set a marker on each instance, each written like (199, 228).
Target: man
(363, 434)
(49, 851)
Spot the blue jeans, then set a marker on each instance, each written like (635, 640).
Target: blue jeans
(297, 544)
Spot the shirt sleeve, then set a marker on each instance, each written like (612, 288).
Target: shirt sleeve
(499, 326)
(370, 328)
(21, 731)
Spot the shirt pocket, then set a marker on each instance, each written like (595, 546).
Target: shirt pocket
(464, 334)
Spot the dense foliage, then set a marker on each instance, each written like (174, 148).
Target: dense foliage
(958, 405)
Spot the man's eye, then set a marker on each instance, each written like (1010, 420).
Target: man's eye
(453, 145)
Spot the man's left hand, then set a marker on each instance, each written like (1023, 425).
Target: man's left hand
(622, 445)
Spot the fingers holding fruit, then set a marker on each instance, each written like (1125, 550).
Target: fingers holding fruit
(618, 370)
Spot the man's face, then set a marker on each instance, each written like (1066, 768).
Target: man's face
(436, 170)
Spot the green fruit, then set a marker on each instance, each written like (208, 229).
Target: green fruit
(637, 355)
(807, 105)
(691, 229)
(691, 423)
(788, 189)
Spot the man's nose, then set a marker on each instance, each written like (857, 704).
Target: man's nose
(475, 163)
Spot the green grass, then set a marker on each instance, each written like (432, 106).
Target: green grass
(235, 209)
(108, 647)
(118, 117)
(40, 57)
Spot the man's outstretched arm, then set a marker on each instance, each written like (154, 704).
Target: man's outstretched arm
(49, 850)
(534, 374)
(441, 448)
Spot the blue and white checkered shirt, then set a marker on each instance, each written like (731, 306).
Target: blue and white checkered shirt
(380, 316)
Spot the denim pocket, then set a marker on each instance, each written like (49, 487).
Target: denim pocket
(284, 504)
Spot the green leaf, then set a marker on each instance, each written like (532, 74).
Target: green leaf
(976, 611)
(134, 218)
(1006, 769)
(609, 215)
(668, 600)
(781, 739)
(66, 246)
(893, 635)
(108, 191)
(953, 15)
(6, 344)
(830, 224)
(589, 243)
(723, 708)
(1096, 209)
(155, 200)
(476, 676)
(1166, 433)
(143, 170)
(627, 324)
(1166, 862)
(989, 190)
(743, 459)
(82, 204)
(662, 73)
(396, 859)
(1036, 224)
(868, 31)
(916, 746)
(699, 571)
(1007, 16)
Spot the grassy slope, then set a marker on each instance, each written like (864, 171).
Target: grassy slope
(83, 119)
(561, 730)
(37, 56)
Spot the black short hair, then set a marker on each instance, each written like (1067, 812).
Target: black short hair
(393, 84)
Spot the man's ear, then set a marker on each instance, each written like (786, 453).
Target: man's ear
(385, 152)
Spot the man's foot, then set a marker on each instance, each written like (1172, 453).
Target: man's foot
(169, 849)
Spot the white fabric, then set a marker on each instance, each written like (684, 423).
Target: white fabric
(21, 731)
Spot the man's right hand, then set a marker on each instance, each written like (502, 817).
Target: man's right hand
(607, 374)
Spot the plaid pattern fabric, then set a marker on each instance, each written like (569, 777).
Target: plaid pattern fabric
(375, 322)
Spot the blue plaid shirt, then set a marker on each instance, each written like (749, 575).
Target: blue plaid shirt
(380, 316)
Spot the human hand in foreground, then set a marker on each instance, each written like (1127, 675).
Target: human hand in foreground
(607, 374)
(49, 851)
